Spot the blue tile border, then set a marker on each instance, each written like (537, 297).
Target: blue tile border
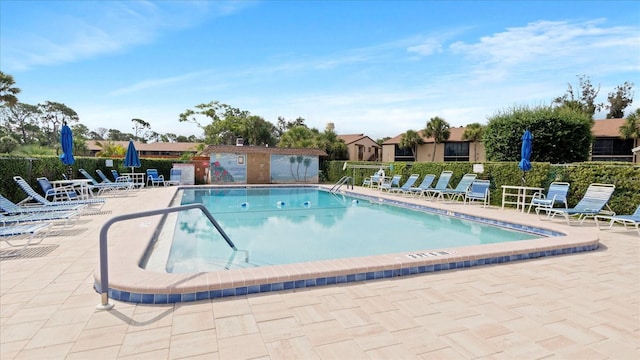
(313, 282)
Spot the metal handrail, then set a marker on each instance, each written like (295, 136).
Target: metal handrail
(342, 181)
(104, 263)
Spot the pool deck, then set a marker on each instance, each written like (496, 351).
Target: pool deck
(574, 306)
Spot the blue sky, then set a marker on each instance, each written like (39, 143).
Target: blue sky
(373, 67)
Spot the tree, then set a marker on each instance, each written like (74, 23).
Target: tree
(410, 140)
(298, 137)
(438, 129)
(619, 100)
(117, 135)
(473, 132)
(335, 148)
(21, 121)
(109, 149)
(560, 135)
(631, 127)
(52, 116)
(8, 91)
(140, 125)
(586, 102)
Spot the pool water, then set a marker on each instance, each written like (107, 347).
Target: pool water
(299, 224)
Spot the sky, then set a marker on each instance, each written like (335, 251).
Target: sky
(377, 68)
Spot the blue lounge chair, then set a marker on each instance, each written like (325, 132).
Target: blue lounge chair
(59, 193)
(479, 191)
(126, 185)
(10, 207)
(101, 187)
(424, 185)
(175, 177)
(441, 184)
(633, 219)
(557, 193)
(404, 189)
(459, 191)
(61, 218)
(92, 204)
(393, 183)
(593, 202)
(22, 232)
(154, 178)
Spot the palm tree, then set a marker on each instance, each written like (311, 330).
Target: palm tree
(631, 128)
(8, 92)
(410, 140)
(438, 129)
(473, 132)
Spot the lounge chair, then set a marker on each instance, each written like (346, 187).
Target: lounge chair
(102, 187)
(59, 193)
(93, 204)
(458, 192)
(633, 219)
(557, 193)
(479, 191)
(10, 207)
(124, 182)
(404, 189)
(441, 184)
(175, 177)
(593, 202)
(154, 178)
(424, 185)
(62, 218)
(393, 183)
(375, 179)
(21, 232)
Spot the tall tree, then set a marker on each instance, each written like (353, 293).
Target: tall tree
(438, 129)
(410, 140)
(631, 127)
(298, 137)
(21, 121)
(619, 100)
(140, 129)
(52, 116)
(584, 102)
(473, 132)
(8, 91)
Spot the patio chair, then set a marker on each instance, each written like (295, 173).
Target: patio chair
(175, 177)
(478, 191)
(404, 189)
(10, 207)
(593, 202)
(633, 219)
(154, 178)
(22, 232)
(64, 219)
(441, 184)
(424, 185)
(56, 193)
(375, 179)
(557, 193)
(393, 183)
(126, 185)
(459, 191)
(93, 204)
(102, 187)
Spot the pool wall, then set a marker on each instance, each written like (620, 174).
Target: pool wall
(130, 283)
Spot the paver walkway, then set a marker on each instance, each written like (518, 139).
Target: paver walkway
(580, 306)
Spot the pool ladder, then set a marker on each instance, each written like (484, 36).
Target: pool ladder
(342, 181)
(104, 263)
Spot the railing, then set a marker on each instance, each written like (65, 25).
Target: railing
(104, 263)
(342, 181)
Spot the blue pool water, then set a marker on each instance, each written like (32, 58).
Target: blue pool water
(300, 224)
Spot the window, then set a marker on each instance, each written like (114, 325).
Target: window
(612, 149)
(403, 154)
(456, 151)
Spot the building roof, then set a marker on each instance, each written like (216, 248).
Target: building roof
(607, 127)
(155, 146)
(352, 138)
(231, 149)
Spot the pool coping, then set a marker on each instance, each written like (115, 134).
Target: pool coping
(130, 283)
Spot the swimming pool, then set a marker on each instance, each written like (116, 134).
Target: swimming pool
(130, 282)
(275, 226)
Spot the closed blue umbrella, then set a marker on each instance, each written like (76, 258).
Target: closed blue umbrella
(525, 153)
(66, 140)
(131, 159)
